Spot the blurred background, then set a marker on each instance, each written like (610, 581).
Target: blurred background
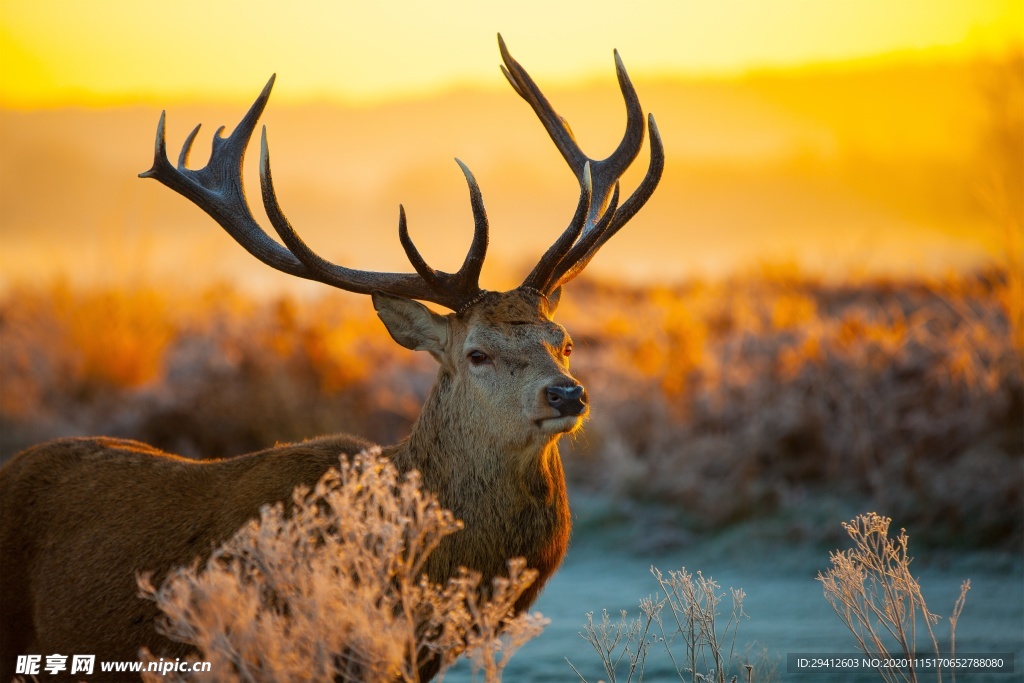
(817, 314)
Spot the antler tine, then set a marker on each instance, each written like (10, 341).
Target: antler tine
(358, 281)
(577, 258)
(644, 190)
(186, 148)
(413, 254)
(606, 172)
(541, 274)
(557, 127)
(217, 187)
(582, 251)
(469, 272)
(467, 279)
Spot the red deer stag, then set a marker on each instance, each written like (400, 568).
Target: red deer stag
(81, 516)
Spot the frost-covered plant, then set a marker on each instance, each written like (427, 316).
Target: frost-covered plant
(871, 589)
(698, 644)
(332, 587)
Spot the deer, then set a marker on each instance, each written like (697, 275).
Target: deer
(82, 516)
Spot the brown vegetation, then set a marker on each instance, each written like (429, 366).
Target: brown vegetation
(764, 390)
(726, 400)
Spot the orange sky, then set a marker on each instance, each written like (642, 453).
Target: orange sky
(67, 52)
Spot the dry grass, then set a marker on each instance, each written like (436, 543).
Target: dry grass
(726, 400)
(332, 588)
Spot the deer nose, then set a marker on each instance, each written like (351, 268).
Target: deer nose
(567, 400)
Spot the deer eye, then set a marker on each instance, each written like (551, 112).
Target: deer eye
(478, 357)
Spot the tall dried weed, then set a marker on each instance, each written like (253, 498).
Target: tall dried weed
(872, 590)
(691, 634)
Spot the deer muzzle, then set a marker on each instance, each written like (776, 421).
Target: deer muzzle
(568, 400)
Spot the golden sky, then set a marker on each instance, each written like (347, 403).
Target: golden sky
(68, 52)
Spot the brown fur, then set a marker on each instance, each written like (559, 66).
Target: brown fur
(81, 517)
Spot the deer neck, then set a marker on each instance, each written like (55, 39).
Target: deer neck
(454, 445)
(500, 487)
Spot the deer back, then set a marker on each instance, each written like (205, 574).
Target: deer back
(82, 516)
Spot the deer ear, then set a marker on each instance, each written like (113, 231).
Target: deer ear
(412, 324)
(553, 299)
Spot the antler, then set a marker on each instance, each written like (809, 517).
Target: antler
(217, 189)
(598, 215)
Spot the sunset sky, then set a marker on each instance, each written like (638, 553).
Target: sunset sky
(67, 52)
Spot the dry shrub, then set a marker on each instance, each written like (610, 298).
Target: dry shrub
(871, 589)
(907, 394)
(242, 380)
(332, 587)
(205, 374)
(80, 343)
